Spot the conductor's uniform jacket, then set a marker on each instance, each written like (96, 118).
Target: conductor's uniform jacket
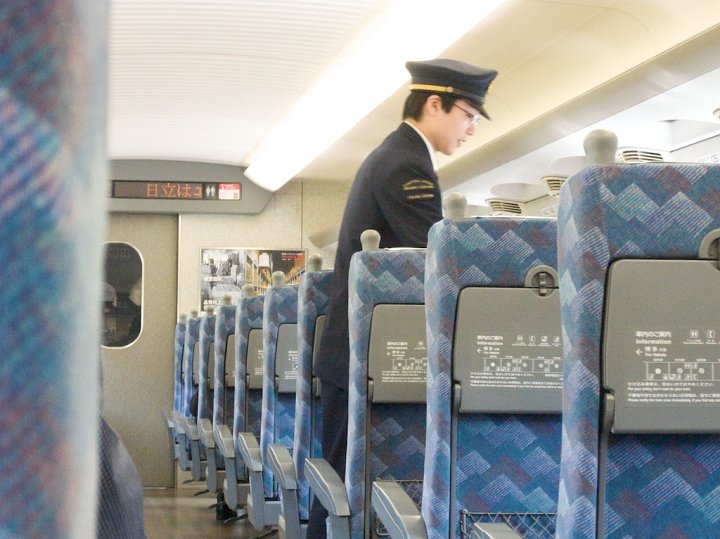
(395, 192)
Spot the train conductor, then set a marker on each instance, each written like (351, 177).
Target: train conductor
(395, 192)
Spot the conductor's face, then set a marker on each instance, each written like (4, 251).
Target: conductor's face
(456, 126)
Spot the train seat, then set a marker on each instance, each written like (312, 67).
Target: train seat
(222, 409)
(494, 383)
(190, 355)
(386, 408)
(313, 300)
(502, 421)
(638, 261)
(216, 401)
(177, 385)
(278, 400)
(247, 401)
(53, 173)
(199, 405)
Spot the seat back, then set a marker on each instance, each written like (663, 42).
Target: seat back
(54, 179)
(641, 449)
(492, 446)
(180, 328)
(386, 432)
(205, 364)
(224, 366)
(313, 300)
(247, 407)
(192, 339)
(280, 346)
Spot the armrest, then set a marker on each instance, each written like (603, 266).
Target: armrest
(327, 487)
(250, 451)
(224, 440)
(206, 433)
(191, 428)
(179, 422)
(397, 511)
(493, 530)
(283, 467)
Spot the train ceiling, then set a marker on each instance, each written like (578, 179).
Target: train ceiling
(208, 81)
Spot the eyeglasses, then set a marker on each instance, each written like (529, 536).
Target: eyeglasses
(473, 118)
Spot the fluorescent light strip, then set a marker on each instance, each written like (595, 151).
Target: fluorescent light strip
(371, 68)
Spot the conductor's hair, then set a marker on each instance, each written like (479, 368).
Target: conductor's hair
(416, 101)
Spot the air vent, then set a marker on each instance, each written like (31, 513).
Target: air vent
(554, 183)
(502, 206)
(639, 155)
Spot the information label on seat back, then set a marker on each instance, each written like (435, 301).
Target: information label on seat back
(661, 351)
(508, 351)
(397, 361)
(211, 366)
(515, 363)
(255, 359)
(681, 366)
(230, 361)
(286, 358)
(196, 363)
(317, 339)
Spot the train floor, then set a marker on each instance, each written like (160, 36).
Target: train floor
(185, 514)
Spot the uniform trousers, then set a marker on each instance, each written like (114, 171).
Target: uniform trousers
(334, 401)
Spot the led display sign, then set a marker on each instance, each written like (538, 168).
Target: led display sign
(176, 190)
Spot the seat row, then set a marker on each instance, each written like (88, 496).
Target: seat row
(470, 426)
(522, 377)
(629, 446)
(236, 379)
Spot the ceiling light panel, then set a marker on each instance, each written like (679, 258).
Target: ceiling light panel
(217, 74)
(370, 68)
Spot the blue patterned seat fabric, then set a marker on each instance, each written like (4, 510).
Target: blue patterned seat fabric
(278, 409)
(180, 328)
(206, 341)
(223, 397)
(192, 337)
(313, 300)
(53, 78)
(503, 463)
(396, 434)
(247, 406)
(658, 486)
(199, 408)
(178, 378)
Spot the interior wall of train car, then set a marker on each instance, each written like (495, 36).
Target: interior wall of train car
(138, 377)
(295, 213)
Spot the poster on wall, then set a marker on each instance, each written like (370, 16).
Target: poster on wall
(223, 272)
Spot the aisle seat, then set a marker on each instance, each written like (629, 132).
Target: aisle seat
(170, 419)
(289, 469)
(640, 290)
(190, 356)
(494, 383)
(278, 400)
(199, 408)
(247, 401)
(386, 411)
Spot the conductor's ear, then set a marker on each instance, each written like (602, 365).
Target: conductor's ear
(433, 105)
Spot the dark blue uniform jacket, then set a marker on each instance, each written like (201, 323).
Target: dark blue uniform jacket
(396, 193)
